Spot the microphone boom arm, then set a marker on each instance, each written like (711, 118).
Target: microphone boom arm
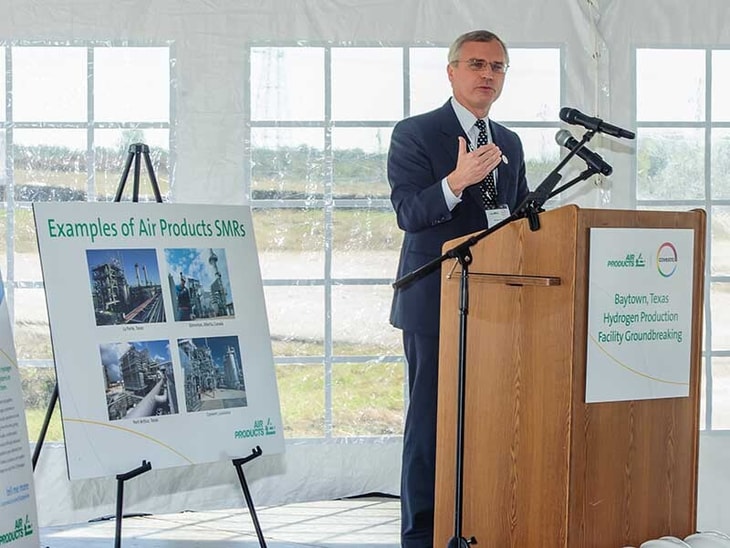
(529, 208)
(532, 204)
(582, 177)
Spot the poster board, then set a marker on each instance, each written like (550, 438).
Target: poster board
(18, 516)
(639, 313)
(160, 334)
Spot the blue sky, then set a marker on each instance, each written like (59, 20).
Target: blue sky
(112, 352)
(218, 347)
(128, 258)
(193, 262)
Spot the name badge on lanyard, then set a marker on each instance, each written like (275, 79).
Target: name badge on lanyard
(497, 215)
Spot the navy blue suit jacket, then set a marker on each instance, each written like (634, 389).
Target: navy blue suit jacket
(423, 150)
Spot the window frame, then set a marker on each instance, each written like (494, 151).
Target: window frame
(9, 126)
(329, 203)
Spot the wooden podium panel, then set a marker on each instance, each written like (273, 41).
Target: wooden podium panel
(541, 467)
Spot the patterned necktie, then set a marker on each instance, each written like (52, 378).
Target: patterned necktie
(487, 188)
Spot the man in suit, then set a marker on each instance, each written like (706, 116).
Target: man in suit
(442, 179)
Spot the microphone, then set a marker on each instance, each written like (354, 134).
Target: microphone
(576, 117)
(594, 161)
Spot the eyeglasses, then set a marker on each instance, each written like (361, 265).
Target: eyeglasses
(478, 65)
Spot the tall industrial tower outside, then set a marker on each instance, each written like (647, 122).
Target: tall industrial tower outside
(218, 295)
(232, 371)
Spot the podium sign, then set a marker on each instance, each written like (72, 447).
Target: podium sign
(18, 520)
(639, 313)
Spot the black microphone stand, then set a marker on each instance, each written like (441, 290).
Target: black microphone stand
(532, 205)
(530, 208)
(582, 177)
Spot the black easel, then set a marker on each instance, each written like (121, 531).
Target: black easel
(121, 478)
(238, 463)
(530, 208)
(137, 152)
(44, 426)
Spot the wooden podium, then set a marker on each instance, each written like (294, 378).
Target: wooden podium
(542, 468)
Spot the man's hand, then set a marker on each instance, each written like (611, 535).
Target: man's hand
(473, 166)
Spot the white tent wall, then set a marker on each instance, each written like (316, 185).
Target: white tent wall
(624, 26)
(210, 50)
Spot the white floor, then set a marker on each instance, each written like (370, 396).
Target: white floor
(363, 522)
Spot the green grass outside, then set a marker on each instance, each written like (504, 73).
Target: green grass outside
(275, 230)
(35, 417)
(367, 400)
(106, 182)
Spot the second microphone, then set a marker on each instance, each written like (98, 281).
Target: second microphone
(594, 160)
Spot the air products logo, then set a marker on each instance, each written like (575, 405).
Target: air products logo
(666, 259)
(258, 430)
(632, 260)
(22, 529)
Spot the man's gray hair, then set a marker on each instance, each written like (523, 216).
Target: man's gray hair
(474, 36)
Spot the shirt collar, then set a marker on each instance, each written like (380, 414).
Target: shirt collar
(467, 119)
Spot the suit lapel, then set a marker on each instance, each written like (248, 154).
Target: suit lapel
(504, 171)
(450, 130)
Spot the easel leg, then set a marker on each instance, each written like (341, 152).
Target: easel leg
(151, 173)
(118, 520)
(44, 428)
(136, 152)
(121, 478)
(238, 463)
